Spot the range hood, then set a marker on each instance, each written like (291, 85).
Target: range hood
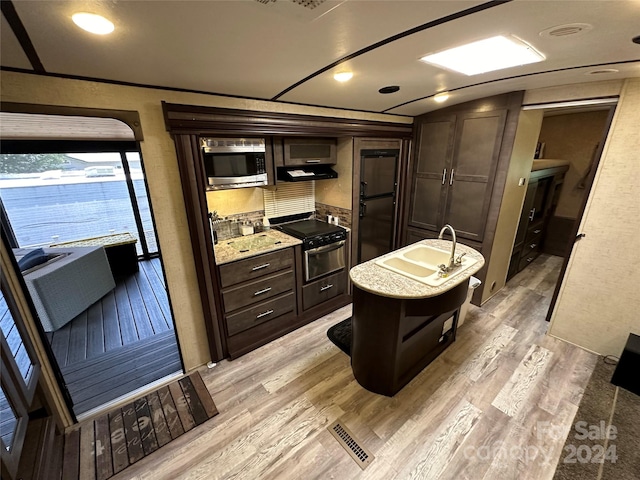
(306, 173)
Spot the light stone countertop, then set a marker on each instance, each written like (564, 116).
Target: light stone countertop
(378, 280)
(233, 249)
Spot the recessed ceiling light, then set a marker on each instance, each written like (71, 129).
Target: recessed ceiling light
(486, 55)
(441, 97)
(389, 89)
(343, 76)
(93, 23)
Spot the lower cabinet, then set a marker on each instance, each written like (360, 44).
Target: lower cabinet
(263, 298)
(259, 297)
(324, 289)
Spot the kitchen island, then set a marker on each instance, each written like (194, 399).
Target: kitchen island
(400, 324)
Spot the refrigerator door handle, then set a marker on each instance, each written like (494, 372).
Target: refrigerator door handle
(363, 209)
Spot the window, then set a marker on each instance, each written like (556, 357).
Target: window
(58, 197)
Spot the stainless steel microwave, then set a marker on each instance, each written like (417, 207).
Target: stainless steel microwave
(234, 162)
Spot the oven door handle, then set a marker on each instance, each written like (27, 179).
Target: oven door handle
(326, 248)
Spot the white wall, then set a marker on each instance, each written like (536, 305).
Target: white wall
(599, 301)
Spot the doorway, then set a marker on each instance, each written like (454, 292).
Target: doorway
(570, 144)
(99, 289)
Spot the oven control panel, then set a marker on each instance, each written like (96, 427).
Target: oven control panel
(325, 239)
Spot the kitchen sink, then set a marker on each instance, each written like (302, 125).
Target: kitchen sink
(404, 267)
(421, 262)
(430, 255)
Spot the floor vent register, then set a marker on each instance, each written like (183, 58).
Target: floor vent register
(345, 438)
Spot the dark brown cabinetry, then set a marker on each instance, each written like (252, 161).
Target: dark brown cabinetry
(309, 151)
(324, 289)
(456, 159)
(394, 339)
(256, 291)
(543, 191)
(458, 173)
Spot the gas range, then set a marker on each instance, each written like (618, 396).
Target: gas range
(313, 233)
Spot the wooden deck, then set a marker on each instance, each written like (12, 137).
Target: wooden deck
(121, 343)
(136, 309)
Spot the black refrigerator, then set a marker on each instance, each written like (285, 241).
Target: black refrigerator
(378, 184)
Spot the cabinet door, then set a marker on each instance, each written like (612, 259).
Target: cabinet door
(470, 181)
(433, 160)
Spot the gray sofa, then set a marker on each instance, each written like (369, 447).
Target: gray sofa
(68, 283)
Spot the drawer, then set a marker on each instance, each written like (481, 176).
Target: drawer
(526, 260)
(254, 267)
(260, 313)
(533, 232)
(531, 247)
(258, 290)
(323, 289)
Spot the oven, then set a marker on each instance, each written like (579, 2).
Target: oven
(323, 246)
(321, 261)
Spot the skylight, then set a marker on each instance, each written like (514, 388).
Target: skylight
(486, 55)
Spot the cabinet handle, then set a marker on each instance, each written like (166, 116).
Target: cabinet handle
(532, 213)
(264, 314)
(444, 176)
(260, 267)
(537, 231)
(326, 287)
(313, 161)
(260, 292)
(451, 177)
(533, 245)
(530, 259)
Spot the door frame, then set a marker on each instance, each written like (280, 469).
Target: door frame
(583, 205)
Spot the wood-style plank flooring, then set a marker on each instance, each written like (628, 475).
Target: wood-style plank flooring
(497, 404)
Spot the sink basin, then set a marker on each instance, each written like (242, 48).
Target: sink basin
(430, 255)
(403, 267)
(420, 262)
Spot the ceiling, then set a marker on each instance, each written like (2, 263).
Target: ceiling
(287, 51)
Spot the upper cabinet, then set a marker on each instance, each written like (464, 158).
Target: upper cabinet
(454, 170)
(309, 151)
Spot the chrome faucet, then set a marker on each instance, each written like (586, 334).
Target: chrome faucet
(452, 260)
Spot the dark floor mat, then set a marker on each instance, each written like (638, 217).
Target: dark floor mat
(340, 335)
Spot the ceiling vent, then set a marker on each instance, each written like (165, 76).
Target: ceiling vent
(568, 30)
(305, 10)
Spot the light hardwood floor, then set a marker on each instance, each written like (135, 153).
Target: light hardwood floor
(496, 405)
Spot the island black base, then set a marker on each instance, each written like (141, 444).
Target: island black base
(395, 339)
